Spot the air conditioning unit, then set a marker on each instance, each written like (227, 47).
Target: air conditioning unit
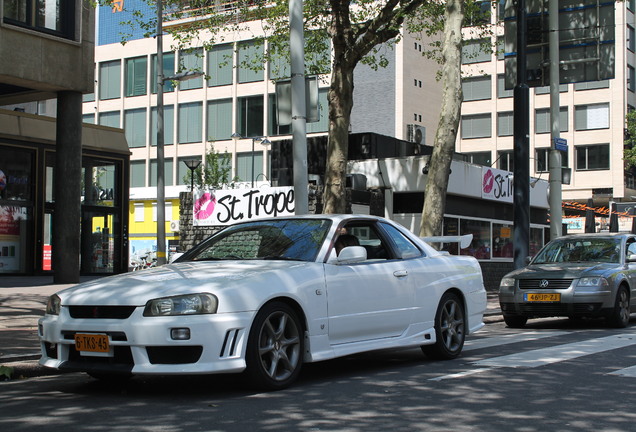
(174, 226)
(416, 134)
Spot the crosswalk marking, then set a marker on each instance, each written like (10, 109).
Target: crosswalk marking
(558, 353)
(543, 356)
(489, 342)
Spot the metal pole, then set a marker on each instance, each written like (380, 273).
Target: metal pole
(253, 139)
(521, 157)
(161, 189)
(299, 108)
(554, 162)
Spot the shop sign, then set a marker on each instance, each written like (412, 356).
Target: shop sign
(496, 185)
(225, 207)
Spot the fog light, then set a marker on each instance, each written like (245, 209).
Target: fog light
(180, 333)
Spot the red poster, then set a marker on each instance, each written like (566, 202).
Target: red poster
(46, 257)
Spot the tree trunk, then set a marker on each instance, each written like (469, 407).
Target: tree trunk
(340, 104)
(444, 146)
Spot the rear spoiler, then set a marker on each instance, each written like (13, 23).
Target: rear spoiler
(464, 240)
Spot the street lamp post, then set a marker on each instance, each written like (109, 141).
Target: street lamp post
(161, 187)
(192, 165)
(263, 140)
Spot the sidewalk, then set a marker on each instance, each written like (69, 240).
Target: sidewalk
(23, 301)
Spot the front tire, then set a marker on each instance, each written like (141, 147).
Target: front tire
(619, 317)
(450, 329)
(275, 347)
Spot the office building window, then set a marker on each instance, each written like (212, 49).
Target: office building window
(592, 157)
(477, 13)
(88, 97)
(137, 173)
(88, 118)
(191, 61)
(244, 166)
(542, 122)
(274, 128)
(190, 122)
(505, 123)
(110, 119)
(136, 76)
(542, 159)
(475, 51)
(501, 49)
(594, 116)
(480, 158)
(168, 70)
(476, 126)
(167, 174)
(249, 55)
(250, 116)
(109, 80)
(220, 65)
(501, 88)
(505, 160)
(135, 127)
(591, 85)
(477, 88)
(168, 125)
(52, 17)
(219, 124)
(631, 41)
(631, 79)
(563, 88)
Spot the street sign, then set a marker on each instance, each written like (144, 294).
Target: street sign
(561, 144)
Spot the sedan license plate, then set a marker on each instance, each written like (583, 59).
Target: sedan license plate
(542, 297)
(92, 343)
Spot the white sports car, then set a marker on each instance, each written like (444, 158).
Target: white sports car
(265, 296)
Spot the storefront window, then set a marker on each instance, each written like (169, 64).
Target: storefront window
(502, 241)
(98, 183)
(15, 175)
(480, 246)
(13, 238)
(451, 228)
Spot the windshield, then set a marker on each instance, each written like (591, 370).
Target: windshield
(285, 239)
(598, 249)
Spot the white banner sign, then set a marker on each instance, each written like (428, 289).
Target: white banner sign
(225, 207)
(496, 185)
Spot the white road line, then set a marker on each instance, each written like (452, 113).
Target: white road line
(489, 342)
(558, 353)
(627, 372)
(544, 356)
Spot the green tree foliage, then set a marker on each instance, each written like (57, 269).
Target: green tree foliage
(629, 153)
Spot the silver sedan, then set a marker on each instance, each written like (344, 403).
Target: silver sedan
(585, 275)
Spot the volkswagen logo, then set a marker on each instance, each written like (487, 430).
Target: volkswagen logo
(544, 283)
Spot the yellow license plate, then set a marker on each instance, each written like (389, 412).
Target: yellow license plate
(542, 297)
(92, 342)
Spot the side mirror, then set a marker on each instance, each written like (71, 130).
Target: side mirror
(351, 255)
(528, 259)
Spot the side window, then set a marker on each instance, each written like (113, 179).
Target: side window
(367, 236)
(631, 247)
(406, 248)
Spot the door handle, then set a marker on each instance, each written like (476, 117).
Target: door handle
(400, 273)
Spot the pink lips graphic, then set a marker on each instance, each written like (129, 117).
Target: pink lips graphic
(489, 181)
(204, 206)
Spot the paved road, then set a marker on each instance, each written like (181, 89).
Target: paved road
(552, 376)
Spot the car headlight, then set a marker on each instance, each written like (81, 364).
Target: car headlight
(592, 284)
(190, 304)
(507, 282)
(53, 305)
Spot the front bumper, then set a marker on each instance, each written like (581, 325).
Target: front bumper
(143, 345)
(571, 304)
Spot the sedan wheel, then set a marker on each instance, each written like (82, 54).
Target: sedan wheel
(275, 347)
(450, 329)
(619, 317)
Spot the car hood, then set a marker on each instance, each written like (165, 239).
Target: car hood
(137, 288)
(563, 270)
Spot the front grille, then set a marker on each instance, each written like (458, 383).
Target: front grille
(174, 355)
(103, 312)
(551, 283)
